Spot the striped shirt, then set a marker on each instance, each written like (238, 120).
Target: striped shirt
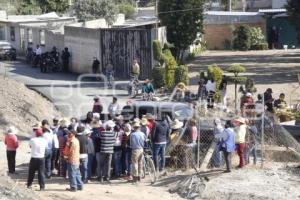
(108, 140)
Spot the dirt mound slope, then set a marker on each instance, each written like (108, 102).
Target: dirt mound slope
(22, 107)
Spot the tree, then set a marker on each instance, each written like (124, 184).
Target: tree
(27, 7)
(236, 69)
(293, 10)
(94, 9)
(242, 38)
(127, 9)
(59, 6)
(184, 21)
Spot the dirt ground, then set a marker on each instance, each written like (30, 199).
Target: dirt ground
(275, 181)
(276, 69)
(22, 107)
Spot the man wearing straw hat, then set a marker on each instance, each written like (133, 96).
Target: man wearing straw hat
(137, 142)
(240, 131)
(11, 142)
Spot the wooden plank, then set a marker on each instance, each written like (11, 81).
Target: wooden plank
(207, 158)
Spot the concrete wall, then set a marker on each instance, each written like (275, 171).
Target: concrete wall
(54, 39)
(219, 36)
(254, 5)
(83, 44)
(278, 3)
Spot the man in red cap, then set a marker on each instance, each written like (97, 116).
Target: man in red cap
(37, 162)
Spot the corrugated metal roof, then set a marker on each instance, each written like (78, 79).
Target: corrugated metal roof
(233, 13)
(280, 10)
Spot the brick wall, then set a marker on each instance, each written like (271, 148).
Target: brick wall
(219, 36)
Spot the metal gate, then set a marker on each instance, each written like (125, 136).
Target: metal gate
(120, 47)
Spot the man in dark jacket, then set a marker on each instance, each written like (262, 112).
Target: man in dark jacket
(65, 56)
(83, 142)
(160, 137)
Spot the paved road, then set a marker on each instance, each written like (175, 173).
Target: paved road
(72, 94)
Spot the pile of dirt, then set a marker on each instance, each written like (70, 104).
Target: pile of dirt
(9, 190)
(22, 107)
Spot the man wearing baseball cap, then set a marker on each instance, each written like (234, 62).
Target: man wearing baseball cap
(37, 162)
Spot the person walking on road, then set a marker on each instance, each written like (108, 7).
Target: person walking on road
(37, 162)
(11, 142)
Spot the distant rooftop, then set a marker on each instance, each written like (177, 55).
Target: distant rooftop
(280, 10)
(232, 13)
(32, 18)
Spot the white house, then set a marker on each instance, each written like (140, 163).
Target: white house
(24, 30)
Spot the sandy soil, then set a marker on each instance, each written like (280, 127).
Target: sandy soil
(24, 106)
(276, 181)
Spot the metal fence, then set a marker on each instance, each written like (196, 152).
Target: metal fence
(273, 143)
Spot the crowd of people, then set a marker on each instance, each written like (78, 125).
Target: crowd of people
(93, 149)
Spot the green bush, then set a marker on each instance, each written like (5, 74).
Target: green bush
(158, 76)
(242, 38)
(262, 46)
(157, 52)
(182, 74)
(127, 9)
(170, 64)
(215, 72)
(256, 36)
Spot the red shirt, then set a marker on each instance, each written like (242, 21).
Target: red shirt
(150, 125)
(11, 142)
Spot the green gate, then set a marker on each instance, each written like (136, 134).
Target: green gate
(286, 32)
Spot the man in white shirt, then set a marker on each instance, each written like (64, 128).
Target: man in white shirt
(210, 89)
(38, 53)
(37, 161)
(49, 137)
(114, 108)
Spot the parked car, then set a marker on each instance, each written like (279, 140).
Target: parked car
(7, 51)
(174, 110)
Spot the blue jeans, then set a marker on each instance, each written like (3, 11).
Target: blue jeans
(48, 158)
(91, 162)
(250, 152)
(74, 176)
(126, 161)
(84, 168)
(159, 153)
(117, 157)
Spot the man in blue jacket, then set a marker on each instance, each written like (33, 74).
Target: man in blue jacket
(160, 136)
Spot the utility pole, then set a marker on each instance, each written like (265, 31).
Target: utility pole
(156, 14)
(230, 8)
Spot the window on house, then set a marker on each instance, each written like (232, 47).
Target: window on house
(2, 33)
(30, 38)
(12, 34)
(42, 37)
